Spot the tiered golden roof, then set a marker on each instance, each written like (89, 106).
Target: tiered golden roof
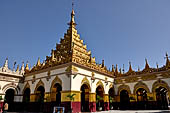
(71, 49)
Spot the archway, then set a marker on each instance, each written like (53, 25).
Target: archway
(9, 95)
(40, 94)
(111, 97)
(56, 94)
(26, 95)
(161, 97)
(142, 98)
(99, 98)
(124, 99)
(85, 98)
(9, 98)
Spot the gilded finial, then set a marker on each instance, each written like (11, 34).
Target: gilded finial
(146, 65)
(38, 62)
(72, 22)
(113, 70)
(102, 63)
(17, 68)
(130, 67)
(27, 67)
(116, 70)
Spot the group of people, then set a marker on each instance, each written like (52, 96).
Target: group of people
(4, 107)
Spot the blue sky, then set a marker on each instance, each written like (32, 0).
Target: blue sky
(117, 31)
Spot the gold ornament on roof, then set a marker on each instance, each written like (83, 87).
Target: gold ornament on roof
(71, 49)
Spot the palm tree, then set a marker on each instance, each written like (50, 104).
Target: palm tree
(71, 97)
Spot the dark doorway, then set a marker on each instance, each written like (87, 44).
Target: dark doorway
(85, 98)
(124, 100)
(142, 98)
(9, 98)
(26, 96)
(40, 94)
(99, 98)
(58, 90)
(161, 98)
(111, 98)
(9, 95)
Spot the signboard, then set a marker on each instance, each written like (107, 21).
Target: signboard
(58, 110)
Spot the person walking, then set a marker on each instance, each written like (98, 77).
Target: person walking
(5, 107)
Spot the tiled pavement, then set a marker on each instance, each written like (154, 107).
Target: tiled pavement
(119, 111)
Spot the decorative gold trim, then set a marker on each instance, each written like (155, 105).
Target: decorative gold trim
(40, 83)
(111, 85)
(99, 83)
(27, 85)
(140, 84)
(71, 68)
(85, 81)
(159, 83)
(56, 80)
(124, 87)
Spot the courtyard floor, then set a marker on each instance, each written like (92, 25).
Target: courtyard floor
(135, 111)
(118, 111)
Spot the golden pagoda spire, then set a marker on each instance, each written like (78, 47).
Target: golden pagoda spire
(146, 64)
(17, 70)
(130, 67)
(26, 68)
(38, 62)
(72, 21)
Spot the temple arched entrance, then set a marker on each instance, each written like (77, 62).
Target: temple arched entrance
(99, 98)
(40, 94)
(142, 98)
(26, 95)
(9, 98)
(85, 90)
(56, 94)
(161, 97)
(9, 95)
(111, 97)
(124, 99)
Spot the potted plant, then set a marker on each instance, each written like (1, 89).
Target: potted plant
(111, 99)
(98, 101)
(71, 97)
